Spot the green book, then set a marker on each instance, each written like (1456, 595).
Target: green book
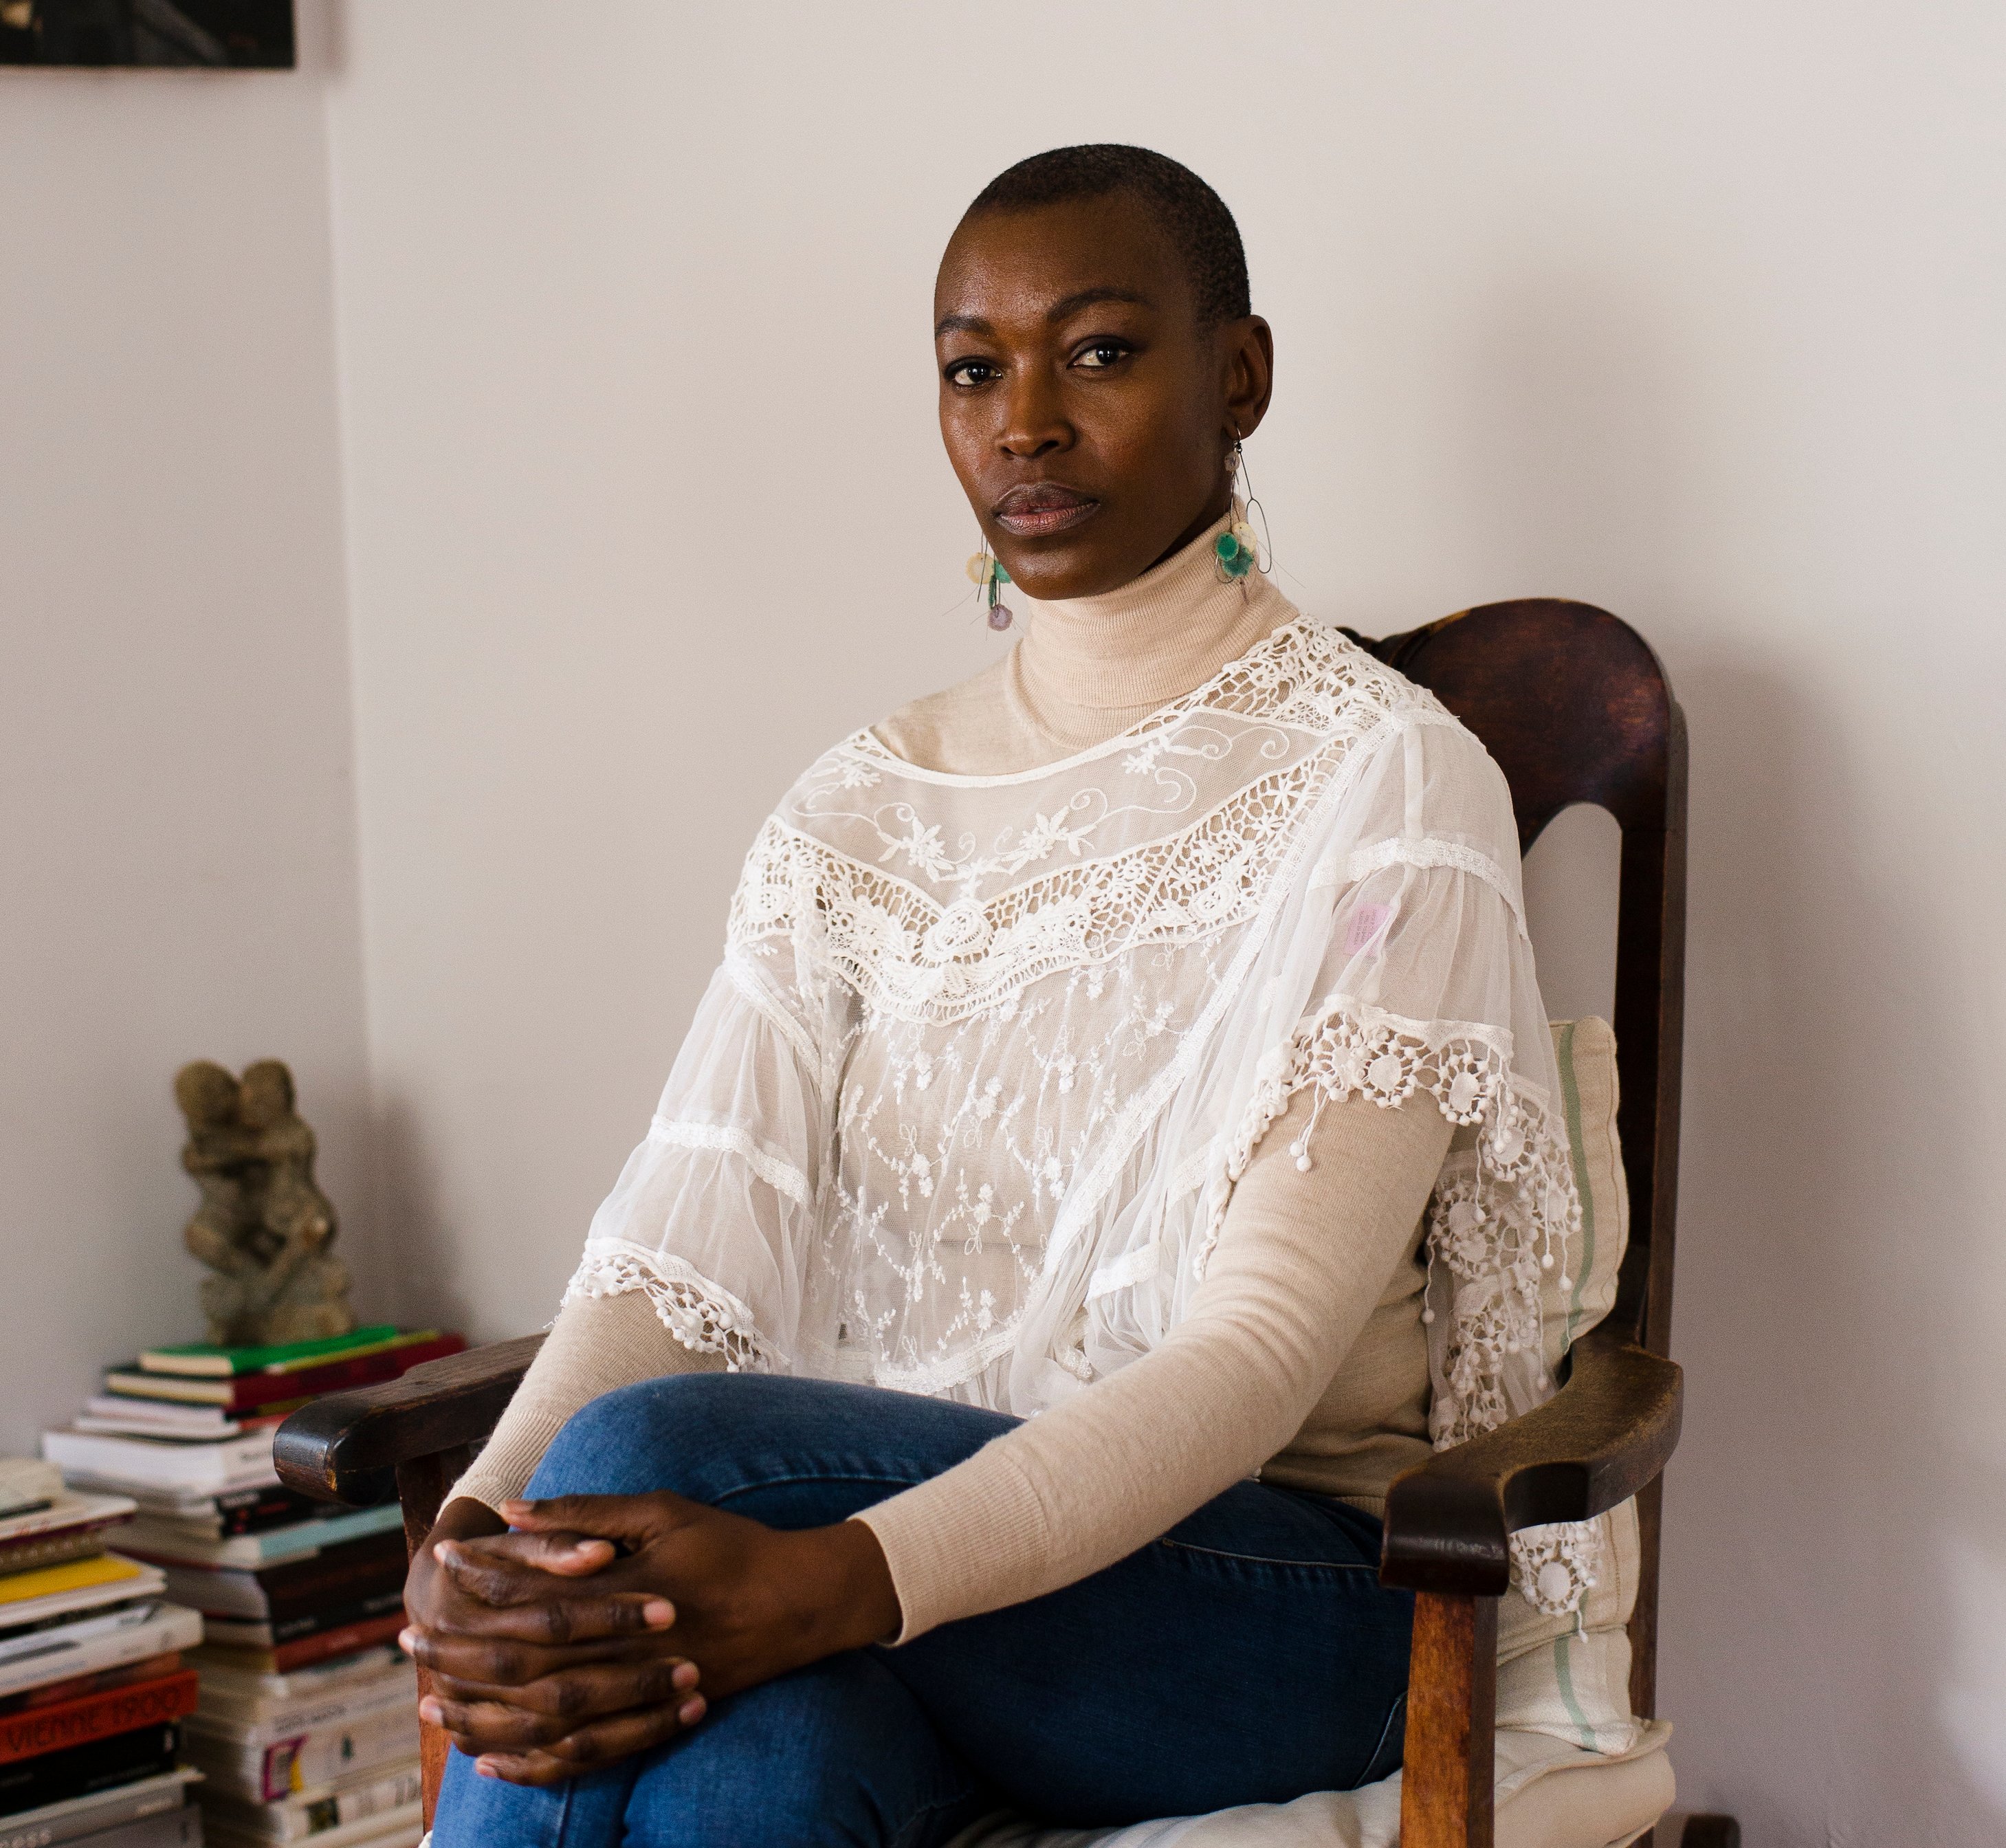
(198, 1359)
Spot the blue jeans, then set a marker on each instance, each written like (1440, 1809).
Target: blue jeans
(1248, 1656)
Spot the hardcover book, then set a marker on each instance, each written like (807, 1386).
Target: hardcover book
(243, 1394)
(80, 1770)
(198, 1358)
(65, 1724)
(259, 1655)
(343, 1575)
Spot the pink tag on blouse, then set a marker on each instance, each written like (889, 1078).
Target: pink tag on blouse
(1368, 925)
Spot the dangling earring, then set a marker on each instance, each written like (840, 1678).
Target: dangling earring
(1234, 552)
(986, 572)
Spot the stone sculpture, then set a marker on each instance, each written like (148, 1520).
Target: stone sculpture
(263, 1226)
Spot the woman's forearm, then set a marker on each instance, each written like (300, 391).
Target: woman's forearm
(597, 1345)
(1300, 1264)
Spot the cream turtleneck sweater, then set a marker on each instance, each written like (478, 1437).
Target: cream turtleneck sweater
(1302, 1358)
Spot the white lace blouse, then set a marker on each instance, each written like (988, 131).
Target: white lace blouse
(966, 1103)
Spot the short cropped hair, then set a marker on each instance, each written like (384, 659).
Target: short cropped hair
(1194, 216)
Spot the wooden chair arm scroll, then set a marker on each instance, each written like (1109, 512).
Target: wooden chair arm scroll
(1603, 1438)
(1595, 1443)
(409, 1437)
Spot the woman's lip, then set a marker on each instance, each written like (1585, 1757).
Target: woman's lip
(1045, 514)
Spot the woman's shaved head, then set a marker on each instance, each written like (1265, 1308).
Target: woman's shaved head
(1190, 214)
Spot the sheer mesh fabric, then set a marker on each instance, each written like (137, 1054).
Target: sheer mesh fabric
(962, 1109)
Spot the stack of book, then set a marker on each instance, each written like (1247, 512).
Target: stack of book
(306, 1728)
(94, 1690)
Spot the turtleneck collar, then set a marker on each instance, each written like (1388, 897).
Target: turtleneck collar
(1151, 641)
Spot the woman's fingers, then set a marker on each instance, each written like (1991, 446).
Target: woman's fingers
(492, 1661)
(518, 1570)
(633, 1518)
(475, 1727)
(524, 1604)
(545, 1711)
(568, 1555)
(591, 1747)
(563, 1621)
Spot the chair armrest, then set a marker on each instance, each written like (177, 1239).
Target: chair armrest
(1603, 1436)
(347, 1447)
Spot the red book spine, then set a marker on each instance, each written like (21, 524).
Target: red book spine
(251, 1390)
(349, 1640)
(28, 1734)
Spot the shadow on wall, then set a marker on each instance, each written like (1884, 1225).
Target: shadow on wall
(1834, 1578)
(415, 1239)
(1832, 1575)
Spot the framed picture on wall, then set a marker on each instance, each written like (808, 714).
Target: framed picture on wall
(220, 34)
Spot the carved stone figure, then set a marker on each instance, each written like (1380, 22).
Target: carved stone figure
(262, 1226)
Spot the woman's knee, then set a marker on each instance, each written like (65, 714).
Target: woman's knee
(839, 1752)
(654, 1434)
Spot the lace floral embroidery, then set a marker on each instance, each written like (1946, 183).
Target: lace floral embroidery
(1500, 1224)
(705, 1318)
(1554, 1567)
(844, 876)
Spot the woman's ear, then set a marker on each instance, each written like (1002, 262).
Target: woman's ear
(1249, 355)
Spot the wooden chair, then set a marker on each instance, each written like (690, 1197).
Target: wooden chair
(1575, 707)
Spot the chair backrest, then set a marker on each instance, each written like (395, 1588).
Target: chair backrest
(1575, 707)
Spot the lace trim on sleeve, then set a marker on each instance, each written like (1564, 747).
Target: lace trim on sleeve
(1500, 1224)
(704, 1317)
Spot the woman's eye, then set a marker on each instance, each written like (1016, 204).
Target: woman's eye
(1096, 355)
(970, 372)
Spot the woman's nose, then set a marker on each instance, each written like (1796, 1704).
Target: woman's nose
(1034, 424)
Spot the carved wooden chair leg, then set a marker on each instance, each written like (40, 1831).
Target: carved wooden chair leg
(1446, 1788)
(1711, 1831)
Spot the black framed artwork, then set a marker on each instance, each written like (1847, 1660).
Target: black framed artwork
(218, 34)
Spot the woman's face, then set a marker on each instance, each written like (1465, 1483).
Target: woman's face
(1087, 414)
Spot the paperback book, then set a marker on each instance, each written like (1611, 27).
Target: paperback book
(206, 1466)
(29, 1600)
(101, 1643)
(82, 1819)
(397, 1828)
(176, 1542)
(388, 1798)
(255, 1770)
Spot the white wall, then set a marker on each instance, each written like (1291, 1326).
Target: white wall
(1689, 311)
(178, 864)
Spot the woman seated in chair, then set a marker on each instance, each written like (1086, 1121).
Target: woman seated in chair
(979, 1389)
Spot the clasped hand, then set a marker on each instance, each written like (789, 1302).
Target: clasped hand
(606, 1624)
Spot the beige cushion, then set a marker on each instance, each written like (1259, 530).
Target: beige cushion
(1550, 1795)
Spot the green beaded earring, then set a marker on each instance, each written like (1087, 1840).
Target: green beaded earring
(986, 572)
(1234, 552)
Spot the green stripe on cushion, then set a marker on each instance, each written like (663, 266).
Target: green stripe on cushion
(1564, 1673)
(1577, 1154)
